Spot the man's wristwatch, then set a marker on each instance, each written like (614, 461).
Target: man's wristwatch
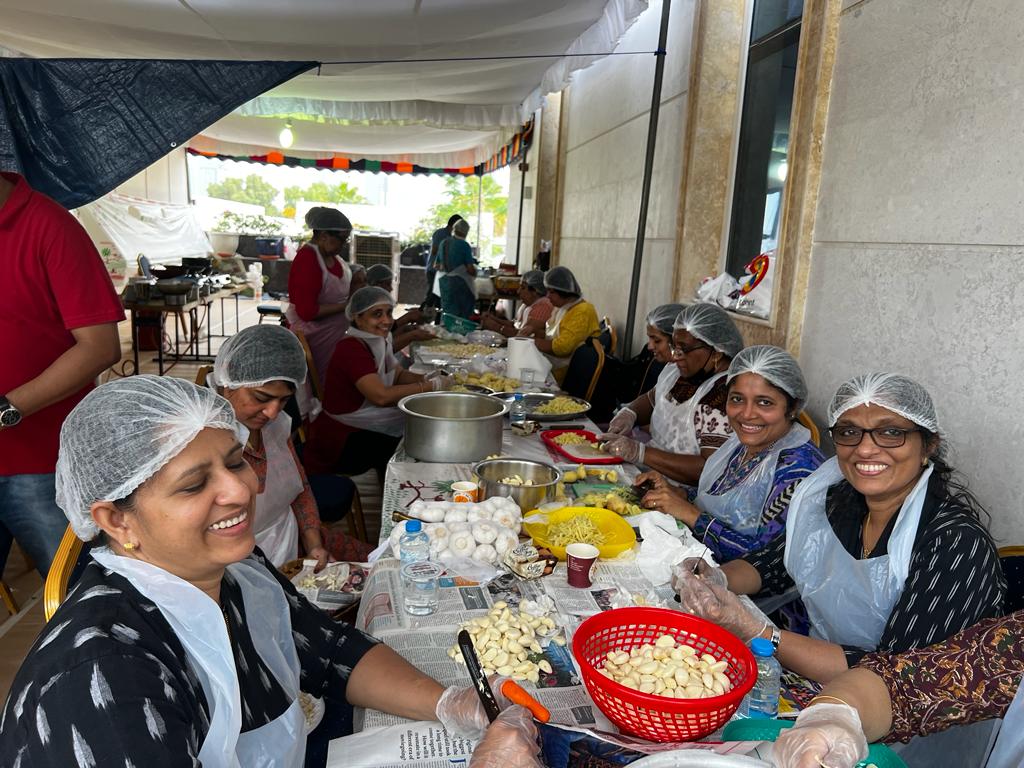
(776, 637)
(9, 415)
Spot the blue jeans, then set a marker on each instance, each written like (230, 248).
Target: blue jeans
(30, 515)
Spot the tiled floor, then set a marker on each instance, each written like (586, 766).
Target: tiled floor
(19, 632)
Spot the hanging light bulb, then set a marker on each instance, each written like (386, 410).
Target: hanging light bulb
(286, 137)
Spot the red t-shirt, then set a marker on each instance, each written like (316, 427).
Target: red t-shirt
(306, 279)
(351, 361)
(53, 281)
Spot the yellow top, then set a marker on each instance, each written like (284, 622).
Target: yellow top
(578, 324)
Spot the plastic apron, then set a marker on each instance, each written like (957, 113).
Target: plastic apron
(323, 335)
(672, 427)
(275, 526)
(551, 331)
(741, 506)
(388, 420)
(849, 601)
(200, 627)
(1009, 749)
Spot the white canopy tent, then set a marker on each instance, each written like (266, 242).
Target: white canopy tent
(374, 96)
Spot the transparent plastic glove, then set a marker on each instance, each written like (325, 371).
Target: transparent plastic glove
(460, 712)
(716, 604)
(705, 571)
(824, 734)
(626, 448)
(623, 422)
(510, 742)
(440, 383)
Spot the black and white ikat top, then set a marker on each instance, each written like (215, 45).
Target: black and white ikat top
(955, 577)
(108, 684)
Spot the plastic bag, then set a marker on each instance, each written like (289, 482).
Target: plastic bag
(755, 288)
(664, 545)
(718, 290)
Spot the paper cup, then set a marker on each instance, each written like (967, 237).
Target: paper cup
(465, 492)
(579, 559)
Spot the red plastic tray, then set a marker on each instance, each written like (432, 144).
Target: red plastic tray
(549, 435)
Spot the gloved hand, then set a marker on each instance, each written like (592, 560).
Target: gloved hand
(626, 448)
(824, 734)
(441, 383)
(705, 571)
(460, 712)
(715, 603)
(623, 422)
(510, 742)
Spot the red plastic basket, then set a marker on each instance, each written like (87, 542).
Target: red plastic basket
(652, 717)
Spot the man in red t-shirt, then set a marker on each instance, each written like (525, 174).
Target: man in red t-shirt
(58, 331)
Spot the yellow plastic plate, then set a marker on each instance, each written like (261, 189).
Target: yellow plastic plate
(619, 536)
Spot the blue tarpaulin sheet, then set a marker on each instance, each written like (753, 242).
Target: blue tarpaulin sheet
(77, 128)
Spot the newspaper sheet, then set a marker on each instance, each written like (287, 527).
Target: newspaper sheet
(424, 640)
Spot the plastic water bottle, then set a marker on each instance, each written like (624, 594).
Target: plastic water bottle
(518, 411)
(763, 699)
(414, 544)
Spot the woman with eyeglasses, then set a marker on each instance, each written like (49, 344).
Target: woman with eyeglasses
(886, 549)
(685, 410)
(743, 495)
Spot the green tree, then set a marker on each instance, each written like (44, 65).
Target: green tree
(461, 198)
(321, 192)
(253, 190)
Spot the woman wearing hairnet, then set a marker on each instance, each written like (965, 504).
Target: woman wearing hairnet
(686, 408)
(180, 645)
(533, 311)
(257, 370)
(319, 284)
(570, 325)
(360, 425)
(457, 272)
(886, 551)
(743, 495)
(404, 331)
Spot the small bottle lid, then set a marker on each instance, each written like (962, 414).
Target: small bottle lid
(414, 526)
(519, 396)
(762, 647)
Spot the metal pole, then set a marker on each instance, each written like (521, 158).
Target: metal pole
(479, 206)
(523, 168)
(645, 193)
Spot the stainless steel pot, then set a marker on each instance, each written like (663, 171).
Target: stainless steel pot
(544, 479)
(452, 427)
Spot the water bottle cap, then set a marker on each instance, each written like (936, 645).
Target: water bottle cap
(762, 647)
(414, 526)
(519, 396)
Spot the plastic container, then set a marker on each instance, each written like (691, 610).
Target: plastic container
(618, 534)
(414, 545)
(659, 718)
(763, 699)
(518, 411)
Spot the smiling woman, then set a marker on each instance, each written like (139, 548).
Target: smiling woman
(887, 551)
(745, 487)
(180, 645)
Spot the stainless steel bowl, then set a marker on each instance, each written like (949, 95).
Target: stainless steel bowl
(452, 427)
(543, 476)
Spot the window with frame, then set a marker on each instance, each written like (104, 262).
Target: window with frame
(762, 155)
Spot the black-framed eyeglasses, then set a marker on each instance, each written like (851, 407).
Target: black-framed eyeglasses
(883, 437)
(678, 351)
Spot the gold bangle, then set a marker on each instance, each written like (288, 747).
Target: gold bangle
(833, 698)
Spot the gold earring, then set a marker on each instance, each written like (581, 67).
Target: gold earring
(129, 546)
(924, 462)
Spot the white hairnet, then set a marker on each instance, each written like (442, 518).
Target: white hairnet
(890, 391)
(357, 268)
(379, 274)
(124, 432)
(664, 316)
(258, 354)
(774, 365)
(562, 279)
(712, 325)
(367, 298)
(460, 228)
(534, 280)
